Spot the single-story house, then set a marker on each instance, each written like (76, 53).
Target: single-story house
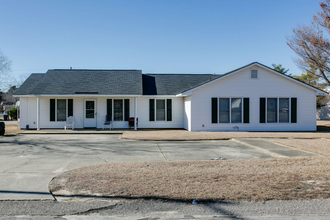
(251, 98)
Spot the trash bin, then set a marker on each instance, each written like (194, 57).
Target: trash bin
(5, 117)
(131, 122)
(2, 128)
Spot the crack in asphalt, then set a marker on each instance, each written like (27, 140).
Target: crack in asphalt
(95, 210)
(160, 149)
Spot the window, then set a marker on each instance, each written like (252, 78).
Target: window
(118, 109)
(231, 110)
(160, 109)
(60, 109)
(254, 74)
(236, 110)
(271, 110)
(284, 109)
(224, 110)
(278, 110)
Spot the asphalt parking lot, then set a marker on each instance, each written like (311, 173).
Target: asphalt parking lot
(29, 162)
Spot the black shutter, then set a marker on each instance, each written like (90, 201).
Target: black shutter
(293, 110)
(214, 110)
(109, 107)
(70, 107)
(246, 113)
(262, 110)
(126, 106)
(169, 109)
(52, 110)
(151, 109)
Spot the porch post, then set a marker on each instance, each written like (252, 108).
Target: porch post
(135, 113)
(38, 113)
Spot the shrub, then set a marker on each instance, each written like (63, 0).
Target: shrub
(13, 113)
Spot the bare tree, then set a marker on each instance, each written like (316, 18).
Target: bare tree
(18, 81)
(313, 46)
(5, 68)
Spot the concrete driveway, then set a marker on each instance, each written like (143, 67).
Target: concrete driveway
(29, 162)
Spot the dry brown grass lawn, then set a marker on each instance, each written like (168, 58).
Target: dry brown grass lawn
(11, 129)
(317, 146)
(183, 135)
(256, 179)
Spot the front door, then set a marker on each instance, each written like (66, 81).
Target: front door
(90, 113)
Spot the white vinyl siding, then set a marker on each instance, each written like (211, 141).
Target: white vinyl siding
(177, 113)
(29, 112)
(187, 113)
(270, 85)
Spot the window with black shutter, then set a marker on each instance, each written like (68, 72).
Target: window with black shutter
(109, 106)
(246, 110)
(214, 110)
(262, 110)
(126, 106)
(70, 107)
(169, 109)
(52, 110)
(151, 109)
(293, 110)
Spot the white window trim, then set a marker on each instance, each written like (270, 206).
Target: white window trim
(66, 110)
(242, 109)
(113, 110)
(278, 110)
(289, 110)
(156, 110)
(251, 74)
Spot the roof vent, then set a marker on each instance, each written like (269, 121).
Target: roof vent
(254, 74)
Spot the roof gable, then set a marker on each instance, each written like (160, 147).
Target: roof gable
(320, 92)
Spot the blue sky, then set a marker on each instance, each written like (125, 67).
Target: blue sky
(172, 36)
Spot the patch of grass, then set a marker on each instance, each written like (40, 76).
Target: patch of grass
(255, 179)
(11, 129)
(183, 135)
(317, 146)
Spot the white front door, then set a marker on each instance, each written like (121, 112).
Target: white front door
(90, 113)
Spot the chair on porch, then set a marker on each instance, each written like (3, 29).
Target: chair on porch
(69, 122)
(108, 121)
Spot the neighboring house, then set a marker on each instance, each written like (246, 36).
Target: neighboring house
(251, 98)
(6, 106)
(324, 112)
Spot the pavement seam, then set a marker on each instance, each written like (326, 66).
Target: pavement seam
(160, 149)
(259, 149)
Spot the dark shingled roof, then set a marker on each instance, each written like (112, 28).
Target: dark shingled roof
(116, 82)
(173, 84)
(68, 82)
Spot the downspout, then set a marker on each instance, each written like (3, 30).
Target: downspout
(38, 113)
(135, 113)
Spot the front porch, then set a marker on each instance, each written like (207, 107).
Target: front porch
(51, 112)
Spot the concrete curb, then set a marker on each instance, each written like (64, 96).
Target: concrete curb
(68, 133)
